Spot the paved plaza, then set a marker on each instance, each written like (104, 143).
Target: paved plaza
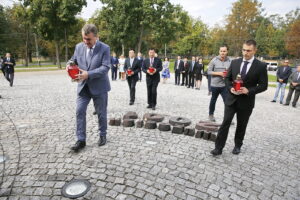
(139, 163)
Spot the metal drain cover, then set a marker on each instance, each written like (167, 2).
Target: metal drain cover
(76, 188)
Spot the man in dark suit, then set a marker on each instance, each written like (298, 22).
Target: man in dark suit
(255, 80)
(294, 86)
(114, 67)
(178, 67)
(94, 62)
(132, 68)
(192, 71)
(9, 68)
(184, 72)
(141, 59)
(283, 74)
(152, 66)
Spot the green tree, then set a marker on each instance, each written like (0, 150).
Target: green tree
(242, 23)
(53, 18)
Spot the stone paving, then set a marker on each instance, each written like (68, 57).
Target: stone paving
(141, 163)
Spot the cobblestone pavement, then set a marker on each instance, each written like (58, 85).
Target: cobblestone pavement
(140, 163)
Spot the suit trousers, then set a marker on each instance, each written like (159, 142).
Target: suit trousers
(100, 103)
(242, 116)
(10, 78)
(290, 94)
(177, 77)
(114, 71)
(131, 84)
(140, 75)
(191, 80)
(184, 80)
(152, 91)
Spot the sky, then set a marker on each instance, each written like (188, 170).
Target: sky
(211, 12)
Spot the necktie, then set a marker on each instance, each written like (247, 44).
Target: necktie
(283, 69)
(151, 62)
(89, 57)
(131, 62)
(244, 70)
(193, 66)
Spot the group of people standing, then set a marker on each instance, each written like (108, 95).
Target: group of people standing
(284, 76)
(189, 71)
(118, 64)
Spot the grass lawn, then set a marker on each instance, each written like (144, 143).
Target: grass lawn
(38, 69)
(36, 66)
(272, 78)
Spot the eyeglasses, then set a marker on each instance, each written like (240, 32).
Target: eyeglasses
(247, 50)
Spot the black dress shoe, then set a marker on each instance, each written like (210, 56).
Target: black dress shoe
(294, 106)
(153, 108)
(130, 103)
(273, 101)
(79, 145)
(102, 141)
(149, 106)
(216, 152)
(236, 150)
(286, 104)
(94, 113)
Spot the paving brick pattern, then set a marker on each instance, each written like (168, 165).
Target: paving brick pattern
(140, 163)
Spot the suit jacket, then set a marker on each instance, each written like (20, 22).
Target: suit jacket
(294, 78)
(157, 64)
(192, 69)
(283, 74)
(9, 68)
(186, 67)
(197, 68)
(98, 81)
(180, 67)
(256, 81)
(136, 68)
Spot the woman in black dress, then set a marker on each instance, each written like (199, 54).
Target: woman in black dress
(198, 74)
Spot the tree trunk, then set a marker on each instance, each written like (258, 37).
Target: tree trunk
(140, 39)
(26, 47)
(66, 46)
(57, 53)
(123, 49)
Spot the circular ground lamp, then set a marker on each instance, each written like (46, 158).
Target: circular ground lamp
(75, 189)
(3, 158)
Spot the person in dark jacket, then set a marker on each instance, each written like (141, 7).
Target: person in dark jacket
(9, 68)
(283, 74)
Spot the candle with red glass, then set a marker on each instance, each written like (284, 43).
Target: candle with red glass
(238, 83)
(73, 70)
(129, 71)
(151, 69)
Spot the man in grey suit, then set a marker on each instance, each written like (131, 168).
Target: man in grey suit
(294, 86)
(93, 60)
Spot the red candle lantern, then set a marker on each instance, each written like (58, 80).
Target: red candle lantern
(129, 72)
(238, 83)
(73, 70)
(151, 69)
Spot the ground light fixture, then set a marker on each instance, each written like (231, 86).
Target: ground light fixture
(3, 158)
(76, 188)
